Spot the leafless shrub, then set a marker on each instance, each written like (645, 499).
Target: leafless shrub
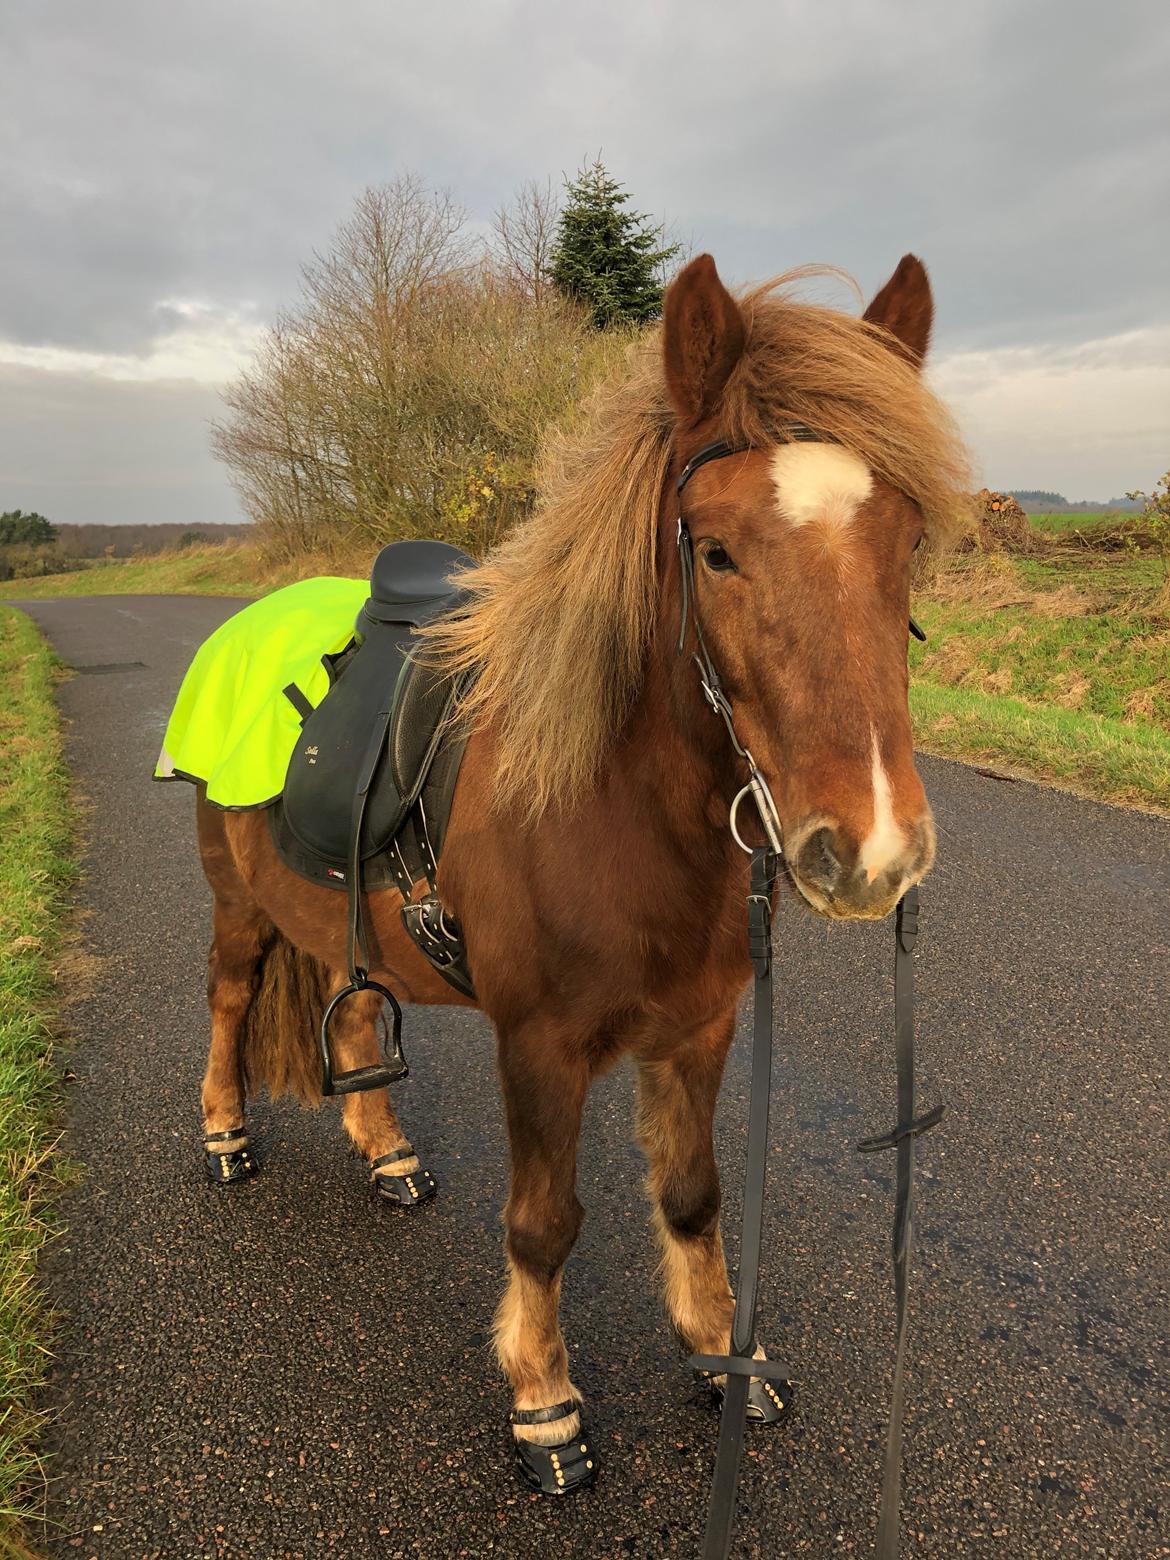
(411, 390)
(524, 235)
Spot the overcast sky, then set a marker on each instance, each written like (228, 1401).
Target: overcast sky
(165, 168)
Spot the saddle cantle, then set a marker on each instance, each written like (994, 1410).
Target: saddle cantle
(372, 776)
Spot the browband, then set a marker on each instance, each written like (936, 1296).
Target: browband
(797, 433)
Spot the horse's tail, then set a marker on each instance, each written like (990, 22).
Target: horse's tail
(280, 1046)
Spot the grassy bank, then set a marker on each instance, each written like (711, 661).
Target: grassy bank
(1057, 666)
(35, 872)
(231, 569)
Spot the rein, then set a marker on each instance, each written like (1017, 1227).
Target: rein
(739, 1365)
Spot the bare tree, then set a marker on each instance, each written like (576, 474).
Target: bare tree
(409, 392)
(523, 236)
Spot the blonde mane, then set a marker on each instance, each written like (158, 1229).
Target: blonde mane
(560, 616)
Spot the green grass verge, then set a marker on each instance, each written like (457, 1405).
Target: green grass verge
(35, 873)
(1058, 667)
(1091, 754)
(1098, 663)
(225, 570)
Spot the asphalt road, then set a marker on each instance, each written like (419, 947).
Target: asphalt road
(293, 1370)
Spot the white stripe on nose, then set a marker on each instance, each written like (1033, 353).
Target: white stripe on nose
(885, 840)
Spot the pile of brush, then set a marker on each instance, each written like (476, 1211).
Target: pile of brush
(1001, 524)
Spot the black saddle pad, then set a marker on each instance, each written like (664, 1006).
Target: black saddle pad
(384, 713)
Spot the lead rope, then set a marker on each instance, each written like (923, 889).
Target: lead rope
(901, 1138)
(739, 1365)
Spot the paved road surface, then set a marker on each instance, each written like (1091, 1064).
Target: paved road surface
(293, 1370)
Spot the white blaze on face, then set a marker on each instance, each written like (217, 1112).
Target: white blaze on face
(885, 840)
(820, 484)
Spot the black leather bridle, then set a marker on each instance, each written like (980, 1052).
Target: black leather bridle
(739, 1364)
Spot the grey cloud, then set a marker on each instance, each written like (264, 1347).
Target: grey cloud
(81, 449)
(159, 151)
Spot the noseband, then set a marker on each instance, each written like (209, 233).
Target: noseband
(739, 1365)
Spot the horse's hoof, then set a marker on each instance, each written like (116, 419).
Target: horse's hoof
(768, 1402)
(403, 1191)
(228, 1165)
(556, 1470)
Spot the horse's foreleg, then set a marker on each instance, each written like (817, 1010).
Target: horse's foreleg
(544, 1092)
(233, 973)
(369, 1116)
(676, 1111)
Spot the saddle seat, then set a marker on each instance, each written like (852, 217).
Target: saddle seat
(373, 772)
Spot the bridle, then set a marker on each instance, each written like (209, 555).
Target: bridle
(757, 786)
(739, 1365)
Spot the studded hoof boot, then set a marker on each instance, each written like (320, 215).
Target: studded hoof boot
(227, 1157)
(403, 1191)
(553, 1470)
(768, 1402)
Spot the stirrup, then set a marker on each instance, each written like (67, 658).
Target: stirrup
(379, 1074)
(553, 1470)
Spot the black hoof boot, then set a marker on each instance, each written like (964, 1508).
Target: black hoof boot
(403, 1191)
(230, 1163)
(553, 1470)
(768, 1402)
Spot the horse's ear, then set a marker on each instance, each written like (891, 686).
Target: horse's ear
(702, 339)
(905, 308)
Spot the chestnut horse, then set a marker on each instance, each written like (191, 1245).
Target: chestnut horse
(588, 858)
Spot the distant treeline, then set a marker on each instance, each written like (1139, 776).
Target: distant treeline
(1038, 502)
(86, 546)
(123, 541)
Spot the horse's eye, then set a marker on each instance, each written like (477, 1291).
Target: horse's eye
(718, 559)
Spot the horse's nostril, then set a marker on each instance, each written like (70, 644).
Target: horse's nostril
(817, 861)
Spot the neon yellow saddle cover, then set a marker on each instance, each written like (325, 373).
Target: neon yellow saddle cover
(232, 727)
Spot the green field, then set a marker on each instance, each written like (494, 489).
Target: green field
(35, 874)
(1061, 524)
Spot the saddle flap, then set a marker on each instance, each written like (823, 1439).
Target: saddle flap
(379, 688)
(325, 769)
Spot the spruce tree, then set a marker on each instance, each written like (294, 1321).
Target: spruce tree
(26, 526)
(606, 257)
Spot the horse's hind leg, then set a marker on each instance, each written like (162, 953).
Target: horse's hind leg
(369, 1117)
(676, 1110)
(543, 1094)
(240, 933)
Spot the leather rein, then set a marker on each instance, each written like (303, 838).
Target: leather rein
(739, 1365)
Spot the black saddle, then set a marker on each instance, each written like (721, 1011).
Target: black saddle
(369, 786)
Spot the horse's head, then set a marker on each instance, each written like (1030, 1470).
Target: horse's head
(802, 561)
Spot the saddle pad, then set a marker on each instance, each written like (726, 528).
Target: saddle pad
(232, 727)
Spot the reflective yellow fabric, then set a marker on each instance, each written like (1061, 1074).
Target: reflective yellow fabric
(232, 726)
